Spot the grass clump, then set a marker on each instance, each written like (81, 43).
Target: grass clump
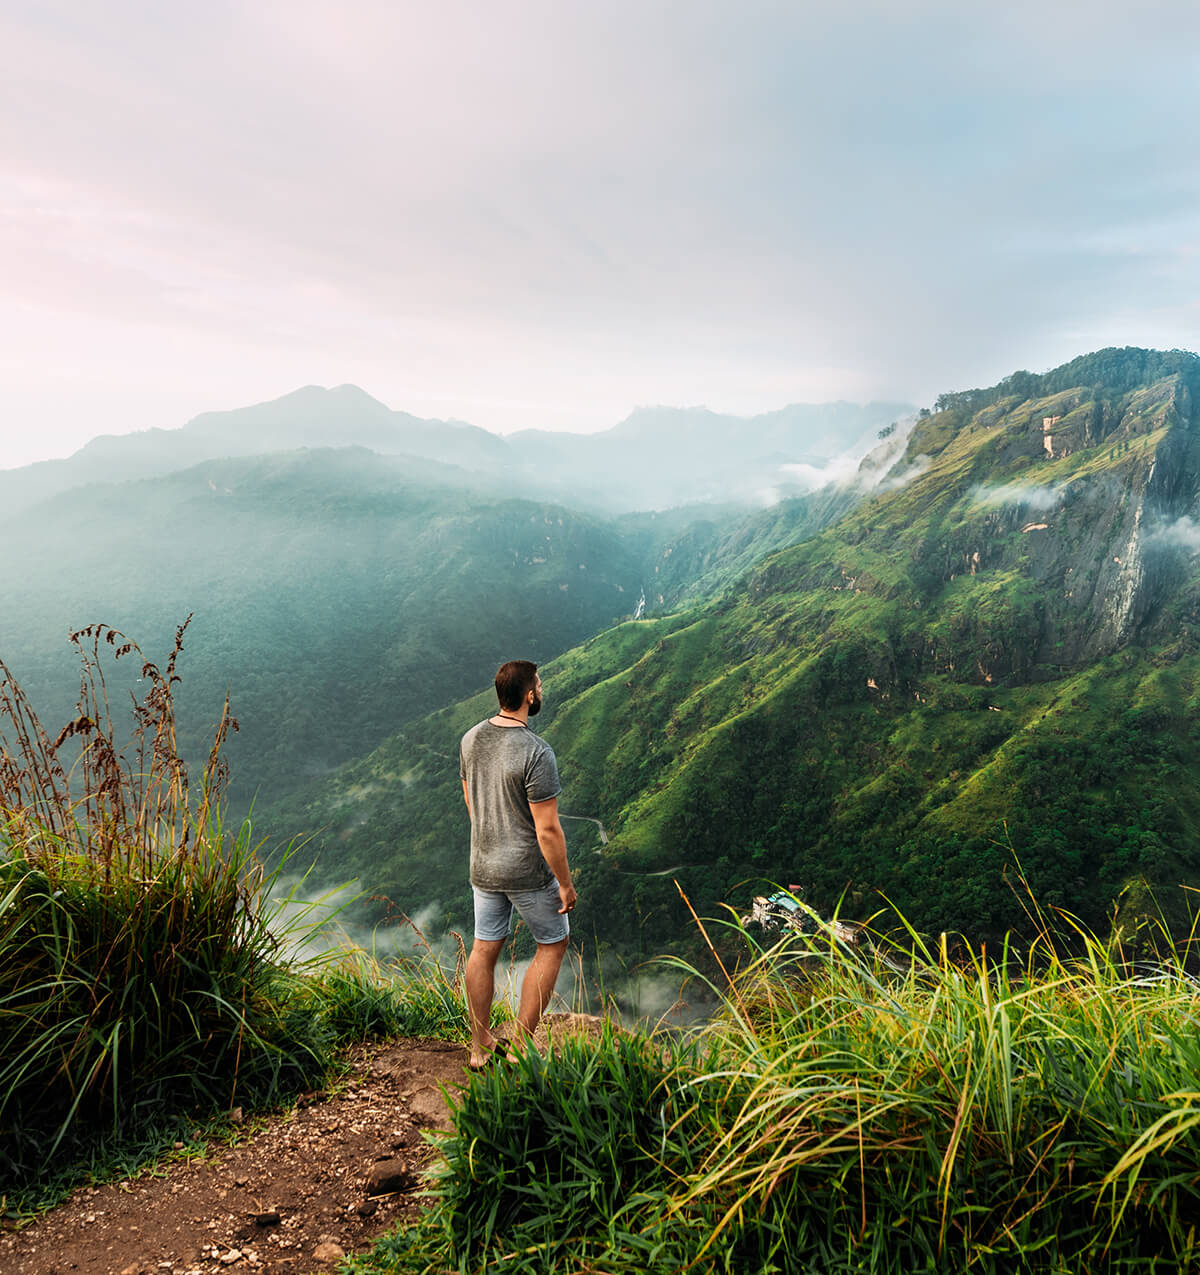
(147, 976)
(363, 998)
(121, 995)
(933, 1113)
(849, 1110)
(554, 1164)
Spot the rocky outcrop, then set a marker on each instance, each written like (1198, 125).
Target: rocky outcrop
(1041, 535)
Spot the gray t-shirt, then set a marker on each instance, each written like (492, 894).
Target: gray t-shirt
(506, 768)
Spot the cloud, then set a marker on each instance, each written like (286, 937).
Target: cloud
(1183, 533)
(898, 478)
(806, 477)
(865, 463)
(310, 924)
(1026, 495)
(643, 995)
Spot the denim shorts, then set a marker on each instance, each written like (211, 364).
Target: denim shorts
(538, 909)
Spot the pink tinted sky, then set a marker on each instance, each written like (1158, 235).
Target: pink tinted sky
(544, 214)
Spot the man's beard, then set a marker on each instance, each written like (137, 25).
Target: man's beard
(536, 707)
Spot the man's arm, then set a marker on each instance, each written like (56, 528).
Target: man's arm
(553, 845)
(466, 796)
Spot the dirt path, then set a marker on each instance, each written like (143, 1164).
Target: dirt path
(291, 1199)
(315, 1183)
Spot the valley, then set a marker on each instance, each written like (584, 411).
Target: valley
(955, 697)
(986, 672)
(964, 675)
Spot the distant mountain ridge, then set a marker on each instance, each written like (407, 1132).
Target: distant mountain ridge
(659, 457)
(311, 417)
(682, 455)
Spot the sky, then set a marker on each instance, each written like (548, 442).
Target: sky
(545, 214)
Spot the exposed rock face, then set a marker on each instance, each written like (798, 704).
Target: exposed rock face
(1015, 559)
(1097, 550)
(1075, 537)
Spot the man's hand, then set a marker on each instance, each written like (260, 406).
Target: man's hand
(554, 848)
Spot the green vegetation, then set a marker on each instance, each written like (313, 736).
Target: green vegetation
(877, 699)
(996, 652)
(851, 1109)
(147, 974)
(1112, 370)
(336, 595)
(340, 595)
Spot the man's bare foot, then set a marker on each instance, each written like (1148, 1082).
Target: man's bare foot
(522, 1037)
(493, 1047)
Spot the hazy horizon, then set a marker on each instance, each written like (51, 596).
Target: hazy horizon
(539, 216)
(73, 448)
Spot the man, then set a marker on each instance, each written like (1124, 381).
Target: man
(518, 852)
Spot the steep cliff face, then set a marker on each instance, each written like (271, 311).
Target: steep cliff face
(1086, 519)
(1023, 538)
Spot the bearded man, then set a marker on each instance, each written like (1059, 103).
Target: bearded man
(518, 852)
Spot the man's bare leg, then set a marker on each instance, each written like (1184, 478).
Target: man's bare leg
(538, 984)
(481, 987)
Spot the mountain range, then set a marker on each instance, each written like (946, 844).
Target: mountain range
(658, 458)
(975, 692)
(961, 677)
(339, 591)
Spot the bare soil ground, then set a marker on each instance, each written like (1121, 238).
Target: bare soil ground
(312, 1184)
(298, 1193)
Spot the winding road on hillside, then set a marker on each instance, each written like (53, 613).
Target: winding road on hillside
(662, 872)
(589, 819)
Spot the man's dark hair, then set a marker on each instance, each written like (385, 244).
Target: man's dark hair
(514, 681)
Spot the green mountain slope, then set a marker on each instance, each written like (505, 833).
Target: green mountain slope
(696, 552)
(996, 652)
(336, 594)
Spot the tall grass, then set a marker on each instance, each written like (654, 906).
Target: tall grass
(852, 1110)
(143, 968)
(555, 1163)
(960, 1115)
(406, 995)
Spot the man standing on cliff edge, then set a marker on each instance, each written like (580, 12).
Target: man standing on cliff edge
(518, 852)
